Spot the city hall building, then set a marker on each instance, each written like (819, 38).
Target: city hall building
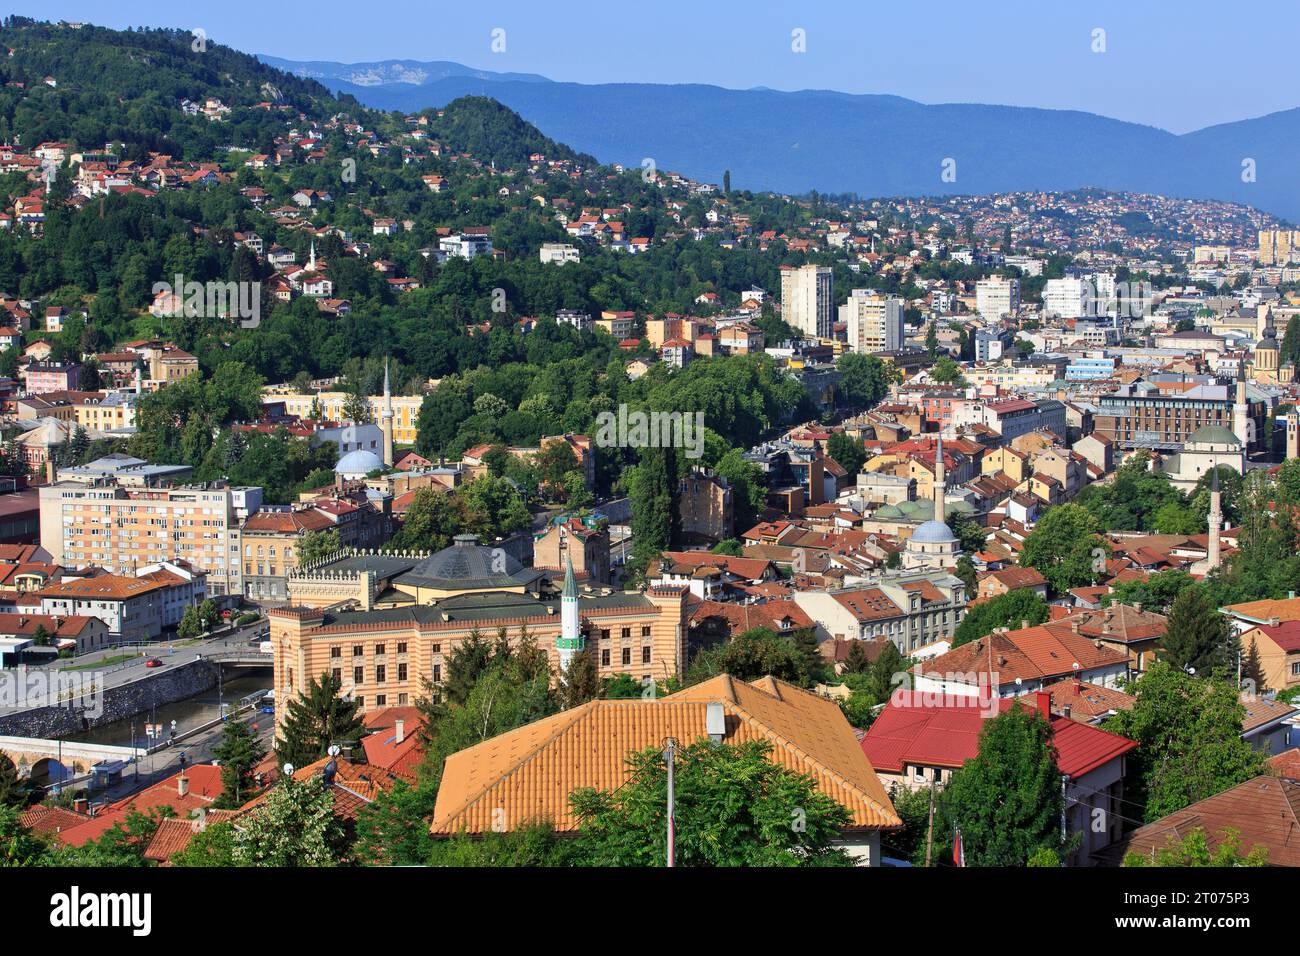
(398, 619)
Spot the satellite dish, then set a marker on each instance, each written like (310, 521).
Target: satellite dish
(288, 770)
(334, 750)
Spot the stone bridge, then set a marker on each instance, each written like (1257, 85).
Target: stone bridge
(45, 762)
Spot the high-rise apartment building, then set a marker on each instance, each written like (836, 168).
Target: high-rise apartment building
(997, 297)
(807, 302)
(121, 528)
(1067, 298)
(874, 321)
(1277, 247)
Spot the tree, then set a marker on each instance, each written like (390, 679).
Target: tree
(1006, 802)
(655, 521)
(13, 789)
(41, 636)
(730, 547)
(966, 571)
(239, 751)
(394, 830)
(946, 371)
(190, 626)
(1188, 732)
(1065, 549)
(317, 719)
(1196, 634)
(734, 807)
(315, 545)
(864, 379)
(1013, 609)
(18, 845)
(209, 614)
(847, 451)
(213, 846)
(1194, 850)
(580, 681)
(751, 654)
(294, 826)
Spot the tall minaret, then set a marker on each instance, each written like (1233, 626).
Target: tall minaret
(311, 257)
(940, 491)
(570, 641)
(1241, 411)
(1293, 434)
(386, 421)
(1215, 522)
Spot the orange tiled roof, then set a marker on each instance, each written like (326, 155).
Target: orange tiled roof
(529, 773)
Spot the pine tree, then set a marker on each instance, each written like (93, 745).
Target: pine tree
(1252, 668)
(239, 751)
(580, 681)
(1196, 634)
(856, 662)
(317, 719)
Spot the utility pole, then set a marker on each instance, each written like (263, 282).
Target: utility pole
(669, 753)
(929, 835)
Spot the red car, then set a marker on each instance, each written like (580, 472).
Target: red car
(153, 662)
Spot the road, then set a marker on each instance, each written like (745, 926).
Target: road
(170, 653)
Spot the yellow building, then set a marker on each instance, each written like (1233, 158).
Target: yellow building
(382, 656)
(329, 406)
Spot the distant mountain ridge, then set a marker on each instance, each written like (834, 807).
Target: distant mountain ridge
(391, 72)
(871, 144)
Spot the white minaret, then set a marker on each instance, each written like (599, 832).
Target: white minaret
(570, 641)
(386, 420)
(1241, 411)
(1215, 523)
(1293, 434)
(940, 491)
(311, 257)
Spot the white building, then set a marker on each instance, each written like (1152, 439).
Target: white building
(874, 321)
(997, 297)
(1067, 298)
(559, 253)
(807, 299)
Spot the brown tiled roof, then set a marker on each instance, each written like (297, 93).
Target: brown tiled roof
(1034, 653)
(287, 522)
(1261, 711)
(1264, 812)
(1119, 622)
(1286, 764)
(529, 773)
(1087, 702)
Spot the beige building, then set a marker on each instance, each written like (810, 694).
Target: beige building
(587, 546)
(1277, 247)
(383, 656)
(873, 320)
(706, 508)
(122, 528)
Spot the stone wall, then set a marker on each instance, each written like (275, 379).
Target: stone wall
(125, 700)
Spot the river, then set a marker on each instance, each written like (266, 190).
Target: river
(188, 714)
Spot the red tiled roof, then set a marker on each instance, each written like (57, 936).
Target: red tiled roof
(947, 735)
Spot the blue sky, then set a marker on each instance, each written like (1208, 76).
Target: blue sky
(1179, 66)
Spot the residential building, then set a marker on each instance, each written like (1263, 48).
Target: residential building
(874, 321)
(540, 764)
(807, 299)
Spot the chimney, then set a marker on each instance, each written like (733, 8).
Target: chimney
(1067, 710)
(182, 785)
(1138, 607)
(1043, 703)
(399, 731)
(715, 722)
(49, 470)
